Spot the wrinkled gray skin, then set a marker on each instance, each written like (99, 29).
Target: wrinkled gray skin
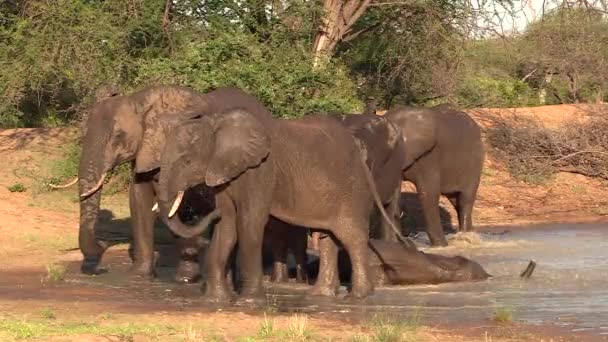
(257, 168)
(134, 128)
(444, 156)
(384, 151)
(393, 264)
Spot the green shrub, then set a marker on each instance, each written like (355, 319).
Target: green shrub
(17, 187)
(280, 75)
(489, 92)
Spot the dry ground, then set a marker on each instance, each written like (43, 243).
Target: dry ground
(38, 228)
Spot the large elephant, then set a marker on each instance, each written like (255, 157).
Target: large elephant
(307, 172)
(393, 264)
(444, 156)
(134, 128)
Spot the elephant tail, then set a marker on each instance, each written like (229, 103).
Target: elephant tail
(527, 273)
(372, 186)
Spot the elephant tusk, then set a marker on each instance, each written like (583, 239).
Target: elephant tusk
(96, 187)
(176, 203)
(51, 185)
(155, 207)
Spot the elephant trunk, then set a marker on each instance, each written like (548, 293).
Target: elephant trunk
(91, 174)
(177, 226)
(170, 200)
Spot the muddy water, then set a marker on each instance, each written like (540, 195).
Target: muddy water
(569, 287)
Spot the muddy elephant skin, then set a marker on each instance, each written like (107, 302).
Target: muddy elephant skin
(307, 172)
(134, 128)
(444, 156)
(384, 151)
(393, 264)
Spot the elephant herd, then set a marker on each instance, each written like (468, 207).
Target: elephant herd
(218, 165)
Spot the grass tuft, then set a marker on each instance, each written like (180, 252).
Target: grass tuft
(386, 329)
(48, 313)
(298, 328)
(55, 272)
(503, 314)
(266, 328)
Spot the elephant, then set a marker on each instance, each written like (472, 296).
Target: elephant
(307, 172)
(281, 237)
(134, 128)
(444, 156)
(392, 264)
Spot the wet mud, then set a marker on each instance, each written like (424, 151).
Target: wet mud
(568, 289)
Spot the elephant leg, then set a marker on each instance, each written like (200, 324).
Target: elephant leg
(279, 264)
(466, 200)
(141, 201)
(189, 268)
(393, 209)
(428, 192)
(328, 281)
(218, 253)
(298, 248)
(355, 240)
(251, 221)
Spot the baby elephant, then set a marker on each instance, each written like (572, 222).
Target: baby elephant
(391, 263)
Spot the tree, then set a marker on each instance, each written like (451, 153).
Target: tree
(566, 53)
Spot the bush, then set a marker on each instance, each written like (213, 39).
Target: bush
(280, 75)
(533, 153)
(17, 187)
(483, 91)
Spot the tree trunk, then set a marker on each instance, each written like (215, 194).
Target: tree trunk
(338, 19)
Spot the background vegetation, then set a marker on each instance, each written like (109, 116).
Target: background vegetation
(298, 56)
(54, 55)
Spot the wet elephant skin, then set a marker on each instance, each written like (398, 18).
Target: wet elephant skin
(257, 169)
(133, 128)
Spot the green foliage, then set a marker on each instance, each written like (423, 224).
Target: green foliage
(279, 74)
(483, 91)
(54, 55)
(17, 187)
(412, 56)
(569, 44)
(51, 55)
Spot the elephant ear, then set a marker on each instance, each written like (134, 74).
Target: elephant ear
(241, 142)
(157, 124)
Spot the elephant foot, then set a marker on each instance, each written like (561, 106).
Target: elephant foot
(323, 291)
(142, 269)
(360, 292)
(279, 275)
(188, 272)
(438, 242)
(216, 293)
(90, 266)
(302, 279)
(251, 292)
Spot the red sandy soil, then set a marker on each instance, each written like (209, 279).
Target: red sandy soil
(35, 225)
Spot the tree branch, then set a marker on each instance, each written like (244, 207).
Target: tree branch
(351, 36)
